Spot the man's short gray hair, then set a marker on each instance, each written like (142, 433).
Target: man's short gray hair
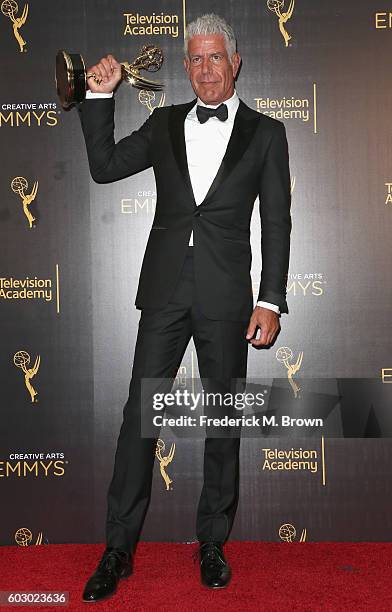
(211, 24)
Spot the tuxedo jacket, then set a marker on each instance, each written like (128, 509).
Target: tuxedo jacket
(256, 163)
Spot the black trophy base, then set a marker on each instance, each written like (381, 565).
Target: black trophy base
(70, 78)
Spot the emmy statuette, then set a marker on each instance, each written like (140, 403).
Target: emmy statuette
(71, 76)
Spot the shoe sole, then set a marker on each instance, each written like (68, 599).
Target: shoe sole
(207, 586)
(126, 574)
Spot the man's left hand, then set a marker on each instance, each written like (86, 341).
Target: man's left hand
(268, 322)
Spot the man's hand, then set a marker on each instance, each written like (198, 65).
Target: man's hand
(268, 322)
(108, 70)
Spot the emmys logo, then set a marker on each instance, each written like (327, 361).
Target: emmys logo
(35, 114)
(9, 8)
(307, 285)
(287, 533)
(19, 185)
(145, 202)
(277, 6)
(164, 461)
(22, 360)
(35, 465)
(311, 283)
(23, 537)
(386, 375)
(147, 98)
(388, 196)
(284, 355)
(383, 21)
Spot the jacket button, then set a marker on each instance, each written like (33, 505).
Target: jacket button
(197, 213)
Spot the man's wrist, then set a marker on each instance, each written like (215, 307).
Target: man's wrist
(268, 305)
(92, 95)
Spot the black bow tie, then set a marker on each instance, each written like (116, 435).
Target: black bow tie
(204, 113)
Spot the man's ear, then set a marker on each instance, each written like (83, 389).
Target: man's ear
(236, 61)
(186, 64)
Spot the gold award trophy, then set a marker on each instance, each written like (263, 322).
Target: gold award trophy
(71, 77)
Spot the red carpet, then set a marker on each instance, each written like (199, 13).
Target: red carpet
(266, 576)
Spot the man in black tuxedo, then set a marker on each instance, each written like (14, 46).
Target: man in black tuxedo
(211, 157)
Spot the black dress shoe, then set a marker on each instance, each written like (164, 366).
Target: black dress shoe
(215, 572)
(115, 564)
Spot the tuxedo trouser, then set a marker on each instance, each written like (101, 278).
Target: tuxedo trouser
(222, 351)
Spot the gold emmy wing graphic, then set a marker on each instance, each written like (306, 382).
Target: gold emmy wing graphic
(164, 461)
(276, 6)
(284, 355)
(9, 8)
(19, 185)
(22, 360)
(287, 533)
(23, 537)
(147, 98)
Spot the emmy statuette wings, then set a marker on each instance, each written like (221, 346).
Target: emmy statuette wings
(71, 76)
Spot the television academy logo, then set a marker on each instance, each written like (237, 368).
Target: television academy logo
(284, 355)
(290, 108)
(22, 360)
(156, 24)
(164, 461)
(277, 7)
(298, 459)
(293, 459)
(19, 186)
(33, 288)
(9, 8)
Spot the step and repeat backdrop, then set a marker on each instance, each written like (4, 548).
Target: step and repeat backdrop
(71, 252)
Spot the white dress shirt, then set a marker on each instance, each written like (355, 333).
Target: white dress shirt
(206, 144)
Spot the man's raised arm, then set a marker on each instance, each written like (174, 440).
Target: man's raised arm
(110, 161)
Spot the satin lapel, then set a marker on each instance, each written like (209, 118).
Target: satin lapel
(177, 136)
(244, 129)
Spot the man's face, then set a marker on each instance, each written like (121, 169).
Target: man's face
(209, 69)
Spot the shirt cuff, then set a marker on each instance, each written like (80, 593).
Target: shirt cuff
(268, 305)
(91, 94)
